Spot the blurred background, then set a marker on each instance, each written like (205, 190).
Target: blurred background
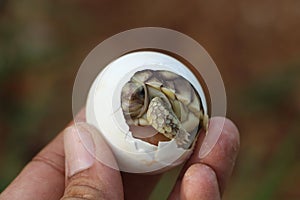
(255, 44)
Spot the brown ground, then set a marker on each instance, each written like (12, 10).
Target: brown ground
(254, 43)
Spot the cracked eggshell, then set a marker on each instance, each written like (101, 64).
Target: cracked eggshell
(103, 110)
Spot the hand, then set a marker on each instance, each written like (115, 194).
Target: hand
(45, 176)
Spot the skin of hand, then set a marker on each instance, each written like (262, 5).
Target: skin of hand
(65, 170)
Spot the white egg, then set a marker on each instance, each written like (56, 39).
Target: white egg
(103, 110)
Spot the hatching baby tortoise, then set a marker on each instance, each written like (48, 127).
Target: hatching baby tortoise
(167, 102)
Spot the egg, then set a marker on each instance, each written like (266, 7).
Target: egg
(134, 152)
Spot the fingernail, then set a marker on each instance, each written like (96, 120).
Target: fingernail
(78, 157)
(211, 138)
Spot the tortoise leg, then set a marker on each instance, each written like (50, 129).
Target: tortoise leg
(161, 116)
(182, 138)
(164, 120)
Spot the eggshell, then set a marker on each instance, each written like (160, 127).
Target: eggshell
(103, 110)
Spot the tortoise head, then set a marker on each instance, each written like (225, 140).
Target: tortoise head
(134, 100)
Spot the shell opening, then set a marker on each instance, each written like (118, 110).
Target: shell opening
(147, 134)
(178, 117)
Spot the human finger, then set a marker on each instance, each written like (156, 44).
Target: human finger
(220, 159)
(199, 182)
(86, 177)
(44, 172)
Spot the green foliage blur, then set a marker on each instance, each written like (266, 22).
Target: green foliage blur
(254, 43)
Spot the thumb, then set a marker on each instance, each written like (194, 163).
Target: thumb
(87, 177)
